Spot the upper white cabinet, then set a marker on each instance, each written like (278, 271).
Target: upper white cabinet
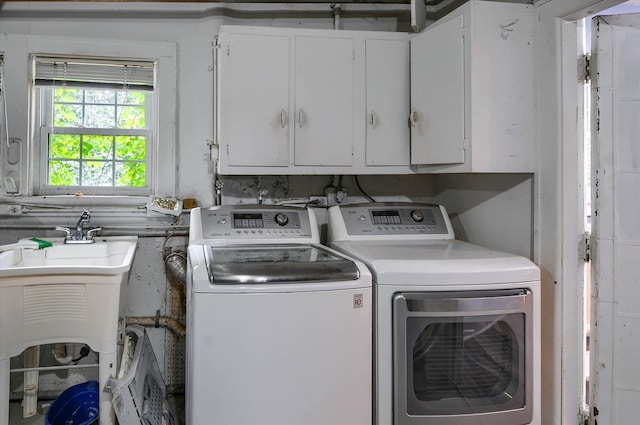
(472, 91)
(387, 103)
(295, 101)
(286, 101)
(458, 97)
(323, 87)
(437, 115)
(254, 110)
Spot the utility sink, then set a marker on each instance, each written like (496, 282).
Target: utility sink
(107, 256)
(64, 293)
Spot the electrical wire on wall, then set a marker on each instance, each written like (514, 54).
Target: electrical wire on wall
(214, 146)
(5, 121)
(357, 183)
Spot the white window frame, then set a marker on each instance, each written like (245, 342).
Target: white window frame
(44, 128)
(164, 157)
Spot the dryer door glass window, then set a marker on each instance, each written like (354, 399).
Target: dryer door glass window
(463, 363)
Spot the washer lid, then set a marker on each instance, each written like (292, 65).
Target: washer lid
(233, 265)
(438, 262)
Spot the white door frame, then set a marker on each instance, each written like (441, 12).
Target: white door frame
(558, 222)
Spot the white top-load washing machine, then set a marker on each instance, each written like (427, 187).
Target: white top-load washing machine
(457, 326)
(279, 327)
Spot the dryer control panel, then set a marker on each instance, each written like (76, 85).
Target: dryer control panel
(395, 219)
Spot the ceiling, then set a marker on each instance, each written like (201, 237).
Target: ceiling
(435, 9)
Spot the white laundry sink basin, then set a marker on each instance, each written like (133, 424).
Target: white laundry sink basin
(107, 256)
(64, 293)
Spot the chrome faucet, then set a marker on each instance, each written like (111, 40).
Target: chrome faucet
(84, 219)
(80, 236)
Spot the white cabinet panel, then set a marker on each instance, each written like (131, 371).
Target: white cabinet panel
(323, 101)
(473, 91)
(254, 112)
(503, 96)
(387, 102)
(437, 95)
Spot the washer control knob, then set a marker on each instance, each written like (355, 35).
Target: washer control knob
(417, 215)
(282, 219)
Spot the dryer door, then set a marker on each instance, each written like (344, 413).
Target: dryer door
(463, 358)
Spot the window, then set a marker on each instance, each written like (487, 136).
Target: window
(96, 125)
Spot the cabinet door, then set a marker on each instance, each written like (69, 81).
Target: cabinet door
(254, 109)
(387, 99)
(437, 95)
(323, 101)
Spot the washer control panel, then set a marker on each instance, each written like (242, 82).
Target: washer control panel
(394, 219)
(263, 222)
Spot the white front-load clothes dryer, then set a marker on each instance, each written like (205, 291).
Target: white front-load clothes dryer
(456, 325)
(279, 327)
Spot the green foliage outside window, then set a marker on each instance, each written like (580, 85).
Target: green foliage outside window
(110, 158)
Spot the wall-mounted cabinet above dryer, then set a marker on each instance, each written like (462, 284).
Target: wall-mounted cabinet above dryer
(473, 99)
(458, 97)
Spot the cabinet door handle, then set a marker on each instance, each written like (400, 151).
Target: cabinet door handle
(301, 118)
(283, 118)
(413, 118)
(373, 119)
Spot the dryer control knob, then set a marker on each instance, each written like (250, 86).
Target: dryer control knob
(417, 215)
(282, 219)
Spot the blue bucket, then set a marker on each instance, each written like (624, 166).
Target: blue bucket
(77, 405)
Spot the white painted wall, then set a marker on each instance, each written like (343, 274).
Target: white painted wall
(493, 210)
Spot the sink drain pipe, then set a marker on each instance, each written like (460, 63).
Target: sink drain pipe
(175, 264)
(158, 321)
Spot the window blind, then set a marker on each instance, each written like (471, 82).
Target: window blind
(99, 73)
